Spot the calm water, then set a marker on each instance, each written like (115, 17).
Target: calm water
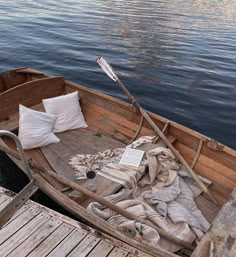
(177, 57)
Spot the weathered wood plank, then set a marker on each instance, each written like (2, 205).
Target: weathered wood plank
(18, 213)
(15, 225)
(189, 138)
(68, 244)
(3, 201)
(103, 248)
(75, 142)
(208, 162)
(208, 208)
(36, 238)
(8, 246)
(29, 94)
(9, 79)
(221, 185)
(17, 202)
(12, 122)
(52, 241)
(117, 252)
(222, 233)
(72, 143)
(85, 246)
(88, 141)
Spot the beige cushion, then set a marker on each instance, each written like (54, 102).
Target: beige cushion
(68, 112)
(35, 128)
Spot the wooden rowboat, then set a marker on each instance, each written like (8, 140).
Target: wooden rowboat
(112, 123)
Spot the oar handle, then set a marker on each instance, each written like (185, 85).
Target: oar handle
(109, 71)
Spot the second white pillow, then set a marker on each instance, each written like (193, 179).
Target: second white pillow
(35, 128)
(68, 112)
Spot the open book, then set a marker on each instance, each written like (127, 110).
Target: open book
(132, 157)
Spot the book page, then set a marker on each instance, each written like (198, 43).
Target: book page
(132, 157)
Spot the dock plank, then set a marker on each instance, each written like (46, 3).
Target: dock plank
(85, 246)
(36, 230)
(18, 213)
(3, 198)
(117, 252)
(68, 244)
(52, 241)
(11, 228)
(36, 238)
(20, 236)
(8, 200)
(103, 248)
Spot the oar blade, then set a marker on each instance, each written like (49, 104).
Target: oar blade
(106, 68)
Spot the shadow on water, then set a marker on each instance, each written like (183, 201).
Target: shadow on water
(14, 179)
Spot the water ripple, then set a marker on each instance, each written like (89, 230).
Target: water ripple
(177, 57)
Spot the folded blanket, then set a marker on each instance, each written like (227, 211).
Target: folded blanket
(106, 164)
(164, 195)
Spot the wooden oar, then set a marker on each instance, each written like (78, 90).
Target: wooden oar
(98, 198)
(109, 71)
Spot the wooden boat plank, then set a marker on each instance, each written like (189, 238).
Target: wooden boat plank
(28, 70)
(103, 248)
(220, 156)
(221, 184)
(68, 244)
(8, 79)
(52, 241)
(208, 208)
(116, 252)
(85, 246)
(17, 238)
(110, 122)
(87, 137)
(57, 163)
(77, 142)
(36, 238)
(12, 122)
(208, 162)
(219, 198)
(28, 94)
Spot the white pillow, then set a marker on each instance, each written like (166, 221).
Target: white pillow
(35, 128)
(68, 112)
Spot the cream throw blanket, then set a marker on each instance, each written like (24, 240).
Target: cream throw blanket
(106, 164)
(164, 195)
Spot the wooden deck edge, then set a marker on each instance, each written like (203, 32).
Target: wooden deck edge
(79, 225)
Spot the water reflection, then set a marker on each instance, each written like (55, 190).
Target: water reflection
(177, 57)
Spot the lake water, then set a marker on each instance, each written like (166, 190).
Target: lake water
(178, 57)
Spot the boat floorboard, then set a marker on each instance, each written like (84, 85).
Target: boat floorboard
(81, 141)
(38, 231)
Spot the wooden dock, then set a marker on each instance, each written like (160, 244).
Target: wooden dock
(39, 231)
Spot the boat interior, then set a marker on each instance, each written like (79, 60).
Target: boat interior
(112, 123)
